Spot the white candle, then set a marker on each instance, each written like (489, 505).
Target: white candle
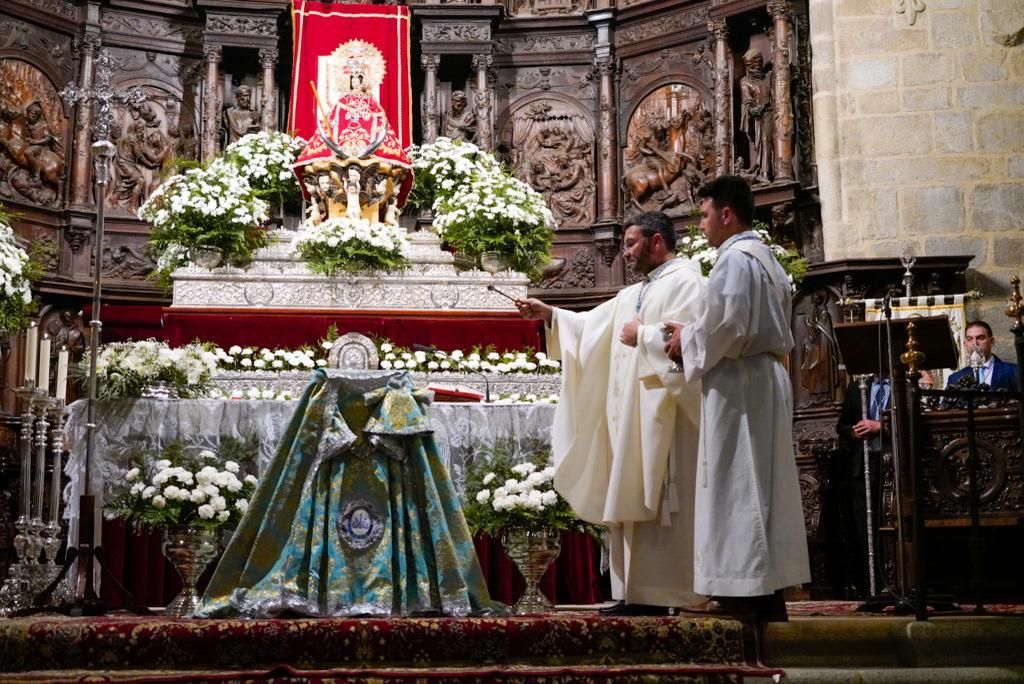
(43, 379)
(61, 390)
(31, 344)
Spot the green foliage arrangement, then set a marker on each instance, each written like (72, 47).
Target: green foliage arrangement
(124, 369)
(18, 270)
(696, 246)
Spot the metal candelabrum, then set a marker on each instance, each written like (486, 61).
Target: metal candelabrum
(37, 541)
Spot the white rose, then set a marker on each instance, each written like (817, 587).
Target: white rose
(242, 505)
(231, 467)
(132, 474)
(206, 512)
(488, 478)
(159, 501)
(223, 516)
(483, 495)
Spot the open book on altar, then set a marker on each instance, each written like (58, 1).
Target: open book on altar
(444, 392)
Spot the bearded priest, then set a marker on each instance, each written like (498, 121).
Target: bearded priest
(625, 431)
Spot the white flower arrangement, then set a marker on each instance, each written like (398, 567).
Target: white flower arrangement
(237, 358)
(124, 369)
(501, 495)
(344, 244)
(479, 206)
(442, 166)
(16, 274)
(265, 159)
(213, 207)
(695, 246)
(179, 489)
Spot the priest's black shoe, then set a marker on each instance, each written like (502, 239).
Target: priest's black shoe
(623, 609)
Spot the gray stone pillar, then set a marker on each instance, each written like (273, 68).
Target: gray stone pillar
(268, 108)
(484, 133)
(430, 64)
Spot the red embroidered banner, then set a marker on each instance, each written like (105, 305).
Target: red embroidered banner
(320, 30)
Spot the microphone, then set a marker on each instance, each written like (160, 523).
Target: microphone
(432, 349)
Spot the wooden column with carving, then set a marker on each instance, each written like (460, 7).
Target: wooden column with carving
(81, 164)
(268, 111)
(484, 133)
(607, 173)
(723, 97)
(211, 101)
(782, 16)
(430, 64)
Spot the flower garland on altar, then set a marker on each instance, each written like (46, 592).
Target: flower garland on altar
(479, 359)
(125, 369)
(344, 244)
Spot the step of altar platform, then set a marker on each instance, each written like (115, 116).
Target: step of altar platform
(849, 649)
(559, 647)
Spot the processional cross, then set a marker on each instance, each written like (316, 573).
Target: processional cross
(85, 601)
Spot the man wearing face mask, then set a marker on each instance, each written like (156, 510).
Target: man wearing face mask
(625, 429)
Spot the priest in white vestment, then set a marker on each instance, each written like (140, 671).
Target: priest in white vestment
(750, 540)
(625, 431)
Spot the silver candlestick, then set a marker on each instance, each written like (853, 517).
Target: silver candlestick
(908, 260)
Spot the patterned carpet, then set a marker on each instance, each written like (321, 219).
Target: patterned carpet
(844, 608)
(562, 647)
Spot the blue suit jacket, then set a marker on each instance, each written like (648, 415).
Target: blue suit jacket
(1004, 376)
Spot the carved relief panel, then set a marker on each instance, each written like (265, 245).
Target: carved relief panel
(669, 150)
(546, 8)
(815, 366)
(550, 145)
(32, 136)
(147, 137)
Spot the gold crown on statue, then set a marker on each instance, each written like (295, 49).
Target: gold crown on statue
(355, 58)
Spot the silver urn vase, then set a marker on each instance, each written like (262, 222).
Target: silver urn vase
(190, 550)
(532, 551)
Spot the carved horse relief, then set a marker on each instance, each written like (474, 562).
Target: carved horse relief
(668, 148)
(551, 147)
(32, 133)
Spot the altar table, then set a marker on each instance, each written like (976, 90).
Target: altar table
(464, 433)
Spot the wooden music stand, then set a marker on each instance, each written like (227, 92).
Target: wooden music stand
(871, 347)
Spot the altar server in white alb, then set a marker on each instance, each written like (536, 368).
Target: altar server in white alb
(625, 432)
(750, 540)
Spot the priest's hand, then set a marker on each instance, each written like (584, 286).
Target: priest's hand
(534, 310)
(673, 340)
(629, 333)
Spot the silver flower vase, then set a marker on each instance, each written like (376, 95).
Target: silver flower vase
(190, 550)
(532, 551)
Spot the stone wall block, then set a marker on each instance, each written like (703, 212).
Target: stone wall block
(869, 74)
(880, 213)
(925, 169)
(879, 102)
(952, 30)
(1001, 131)
(998, 19)
(927, 98)
(863, 8)
(1015, 167)
(1008, 252)
(871, 35)
(953, 132)
(997, 206)
(928, 67)
(932, 211)
(957, 245)
(986, 95)
(887, 136)
(983, 64)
